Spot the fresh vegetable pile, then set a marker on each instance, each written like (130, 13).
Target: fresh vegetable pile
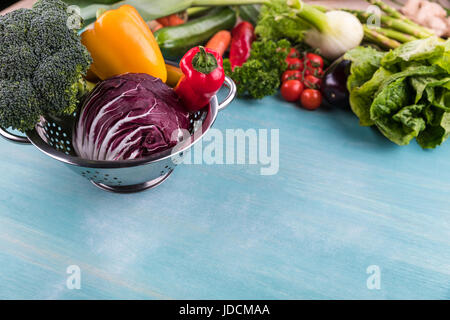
(405, 93)
(394, 75)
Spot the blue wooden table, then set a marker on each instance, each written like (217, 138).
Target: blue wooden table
(344, 199)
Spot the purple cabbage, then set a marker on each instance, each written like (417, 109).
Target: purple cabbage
(128, 117)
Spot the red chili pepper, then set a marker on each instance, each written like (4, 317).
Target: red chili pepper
(203, 75)
(243, 36)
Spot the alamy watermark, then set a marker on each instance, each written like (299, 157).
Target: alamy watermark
(374, 19)
(373, 282)
(74, 280)
(234, 146)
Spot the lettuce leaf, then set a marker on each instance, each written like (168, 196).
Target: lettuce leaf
(389, 100)
(437, 131)
(443, 61)
(365, 62)
(414, 69)
(398, 124)
(362, 97)
(411, 117)
(405, 93)
(417, 50)
(420, 84)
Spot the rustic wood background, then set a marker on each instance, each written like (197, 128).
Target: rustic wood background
(345, 200)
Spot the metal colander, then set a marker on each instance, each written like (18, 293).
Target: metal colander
(53, 136)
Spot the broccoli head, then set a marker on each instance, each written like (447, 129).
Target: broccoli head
(42, 64)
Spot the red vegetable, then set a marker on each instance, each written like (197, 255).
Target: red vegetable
(312, 82)
(291, 90)
(317, 72)
(294, 64)
(291, 75)
(293, 53)
(314, 60)
(203, 75)
(243, 36)
(128, 117)
(311, 99)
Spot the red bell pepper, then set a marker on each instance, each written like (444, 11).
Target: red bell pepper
(243, 36)
(203, 75)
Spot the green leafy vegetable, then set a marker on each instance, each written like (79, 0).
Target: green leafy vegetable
(437, 132)
(260, 75)
(405, 93)
(398, 126)
(365, 61)
(417, 50)
(361, 97)
(277, 21)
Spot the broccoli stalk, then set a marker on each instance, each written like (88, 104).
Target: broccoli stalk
(42, 63)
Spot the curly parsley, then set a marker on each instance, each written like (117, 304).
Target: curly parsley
(260, 75)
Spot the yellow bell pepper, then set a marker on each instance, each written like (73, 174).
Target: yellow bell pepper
(121, 42)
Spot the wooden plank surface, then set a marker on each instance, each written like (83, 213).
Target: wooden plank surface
(344, 199)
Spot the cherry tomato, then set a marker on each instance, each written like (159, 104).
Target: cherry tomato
(291, 90)
(311, 99)
(302, 65)
(293, 53)
(317, 72)
(291, 75)
(314, 60)
(312, 82)
(294, 63)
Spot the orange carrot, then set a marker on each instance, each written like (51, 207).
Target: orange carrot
(175, 20)
(164, 21)
(154, 25)
(172, 20)
(220, 42)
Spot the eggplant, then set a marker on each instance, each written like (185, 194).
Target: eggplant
(334, 83)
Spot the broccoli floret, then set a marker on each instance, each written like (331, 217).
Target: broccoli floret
(20, 94)
(42, 63)
(58, 82)
(15, 26)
